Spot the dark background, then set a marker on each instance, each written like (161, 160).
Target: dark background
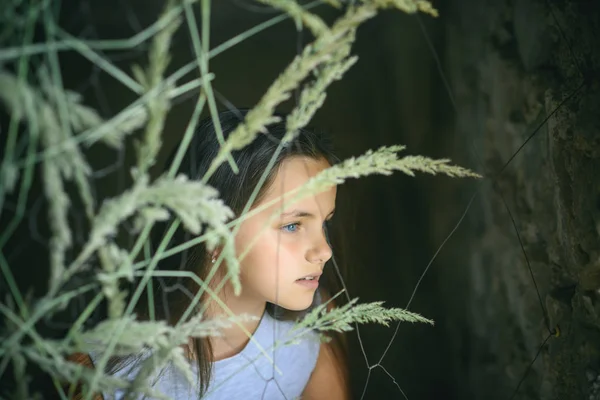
(472, 86)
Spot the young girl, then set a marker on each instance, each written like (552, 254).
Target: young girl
(281, 277)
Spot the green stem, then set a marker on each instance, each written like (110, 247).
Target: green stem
(45, 307)
(200, 50)
(9, 155)
(149, 286)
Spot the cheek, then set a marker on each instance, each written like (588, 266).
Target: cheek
(279, 251)
(270, 252)
(261, 255)
(287, 248)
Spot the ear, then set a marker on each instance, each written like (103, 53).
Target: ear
(214, 255)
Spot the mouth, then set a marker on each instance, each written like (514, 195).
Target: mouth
(310, 281)
(310, 278)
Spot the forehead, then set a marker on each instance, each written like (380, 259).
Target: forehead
(294, 172)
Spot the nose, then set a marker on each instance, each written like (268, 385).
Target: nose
(320, 252)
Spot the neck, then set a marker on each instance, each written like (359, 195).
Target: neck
(236, 337)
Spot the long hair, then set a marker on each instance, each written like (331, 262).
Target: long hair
(172, 295)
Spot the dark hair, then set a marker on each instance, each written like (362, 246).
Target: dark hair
(171, 295)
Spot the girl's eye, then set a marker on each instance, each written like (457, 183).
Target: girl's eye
(291, 227)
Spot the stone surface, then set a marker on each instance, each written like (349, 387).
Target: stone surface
(513, 71)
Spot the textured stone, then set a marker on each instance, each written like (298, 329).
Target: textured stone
(534, 68)
(534, 38)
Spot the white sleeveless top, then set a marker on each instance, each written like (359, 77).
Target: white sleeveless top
(249, 374)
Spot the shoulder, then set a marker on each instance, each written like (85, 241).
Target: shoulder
(329, 379)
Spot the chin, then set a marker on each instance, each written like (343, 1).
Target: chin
(294, 305)
(301, 308)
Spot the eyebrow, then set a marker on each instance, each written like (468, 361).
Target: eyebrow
(303, 214)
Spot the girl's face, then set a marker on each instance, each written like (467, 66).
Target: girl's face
(290, 246)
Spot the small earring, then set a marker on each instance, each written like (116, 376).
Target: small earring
(214, 260)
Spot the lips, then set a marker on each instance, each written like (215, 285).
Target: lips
(311, 283)
(311, 277)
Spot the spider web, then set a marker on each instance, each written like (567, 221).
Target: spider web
(116, 54)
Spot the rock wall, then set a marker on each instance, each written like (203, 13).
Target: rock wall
(514, 67)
